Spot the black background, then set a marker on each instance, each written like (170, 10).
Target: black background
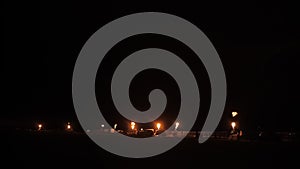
(257, 43)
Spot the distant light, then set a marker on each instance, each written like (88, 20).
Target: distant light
(40, 126)
(102, 125)
(234, 113)
(142, 129)
(158, 125)
(176, 125)
(68, 126)
(132, 124)
(233, 124)
(115, 126)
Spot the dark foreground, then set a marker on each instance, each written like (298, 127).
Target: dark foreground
(54, 149)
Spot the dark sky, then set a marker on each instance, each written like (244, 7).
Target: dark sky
(257, 43)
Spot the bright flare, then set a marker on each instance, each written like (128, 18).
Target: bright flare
(176, 125)
(40, 126)
(233, 124)
(68, 126)
(132, 125)
(158, 126)
(115, 126)
(234, 113)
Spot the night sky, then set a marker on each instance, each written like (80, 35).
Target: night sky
(257, 43)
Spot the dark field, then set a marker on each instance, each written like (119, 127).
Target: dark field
(60, 150)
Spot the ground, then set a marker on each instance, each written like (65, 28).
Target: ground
(61, 149)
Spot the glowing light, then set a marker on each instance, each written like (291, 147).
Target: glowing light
(102, 125)
(68, 126)
(234, 113)
(158, 125)
(176, 125)
(233, 124)
(115, 126)
(142, 129)
(40, 126)
(132, 125)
